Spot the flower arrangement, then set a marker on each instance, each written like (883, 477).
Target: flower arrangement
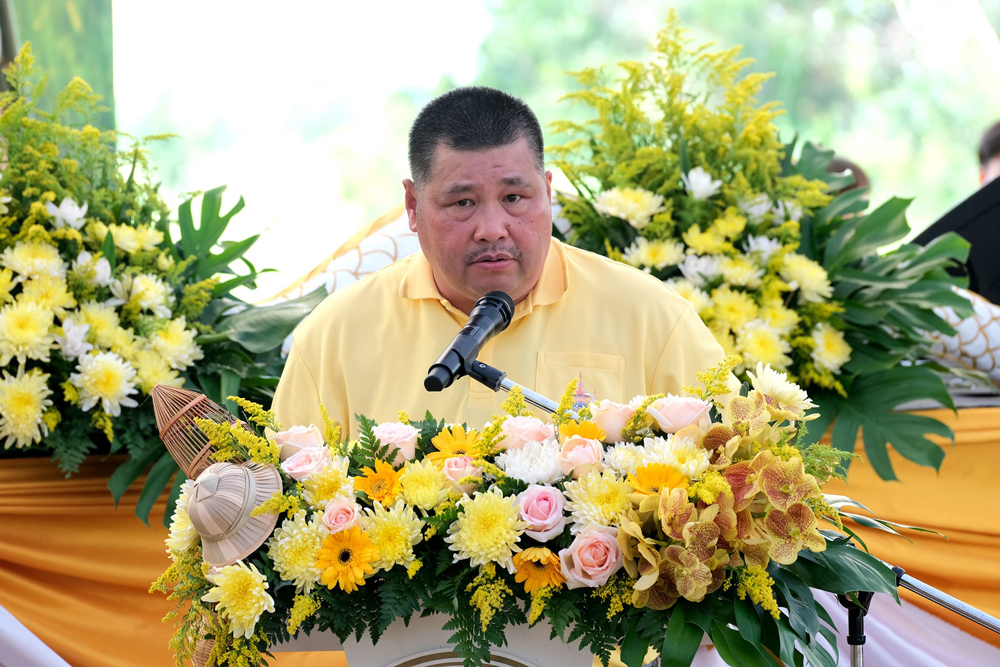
(638, 525)
(98, 302)
(682, 174)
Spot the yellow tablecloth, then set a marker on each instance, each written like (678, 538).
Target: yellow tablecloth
(75, 571)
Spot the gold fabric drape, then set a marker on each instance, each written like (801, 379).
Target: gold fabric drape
(76, 571)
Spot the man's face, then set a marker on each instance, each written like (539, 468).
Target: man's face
(990, 170)
(484, 221)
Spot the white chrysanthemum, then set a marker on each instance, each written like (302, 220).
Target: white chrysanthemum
(183, 535)
(175, 343)
(328, 483)
(104, 378)
(487, 530)
(808, 277)
(787, 209)
(761, 248)
(103, 321)
(741, 271)
(73, 341)
(24, 398)
(101, 268)
(294, 546)
(644, 253)
(682, 453)
(634, 205)
(831, 351)
(67, 213)
(148, 291)
(394, 532)
(757, 342)
(32, 259)
(597, 497)
(755, 209)
(25, 332)
(778, 390)
(535, 463)
(241, 594)
(625, 458)
(699, 270)
(148, 237)
(696, 296)
(4, 200)
(700, 184)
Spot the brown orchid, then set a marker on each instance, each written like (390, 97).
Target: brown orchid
(690, 575)
(675, 512)
(786, 482)
(791, 531)
(748, 414)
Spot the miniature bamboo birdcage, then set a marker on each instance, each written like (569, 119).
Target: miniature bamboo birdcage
(176, 410)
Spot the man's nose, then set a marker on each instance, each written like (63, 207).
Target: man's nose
(492, 223)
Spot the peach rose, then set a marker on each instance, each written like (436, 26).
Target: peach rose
(519, 430)
(341, 514)
(580, 455)
(297, 437)
(675, 412)
(402, 437)
(541, 507)
(611, 417)
(592, 558)
(304, 462)
(458, 468)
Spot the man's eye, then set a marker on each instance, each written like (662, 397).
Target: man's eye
(463, 203)
(511, 199)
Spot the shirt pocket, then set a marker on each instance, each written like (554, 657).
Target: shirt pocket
(601, 375)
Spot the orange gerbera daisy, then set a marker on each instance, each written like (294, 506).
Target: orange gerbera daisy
(454, 441)
(585, 429)
(345, 558)
(381, 484)
(652, 477)
(538, 568)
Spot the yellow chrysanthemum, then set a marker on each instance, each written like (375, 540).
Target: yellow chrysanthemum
(807, 276)
(394, 532)
(758, 342)
(124, 237)
(104, 378)
(781, 319)
(538, 568)
(175, 343)
(123, 343)
(644, 253)
(733, 308)
(25, 332)
(48, 292)
(33, 259)
(103, 321)
(454, 441)
(633, 205)
(681, 453)
(23, 401)
(652, 477)
(328, 483)
(183, 534)
(6, 285)
(741, 271)
(693, 295)
(724, 337)
(294, 547)
(241, 593)
(730, 224)
(148, 237)
(487, 530)
(381, 485)
(151, 370)
(832, 351)
(708, 242)
(597, 498)
(585, 429)
(345, 559)
(424, 485)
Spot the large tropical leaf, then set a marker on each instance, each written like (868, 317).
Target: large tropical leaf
(263, 328)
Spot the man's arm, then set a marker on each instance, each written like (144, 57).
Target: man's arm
(690, 349)
(297, 399)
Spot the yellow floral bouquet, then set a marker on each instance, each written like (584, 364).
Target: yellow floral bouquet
(98, 302)
(647, 524)
(681, 173)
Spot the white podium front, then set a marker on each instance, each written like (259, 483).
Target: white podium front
(425, 644)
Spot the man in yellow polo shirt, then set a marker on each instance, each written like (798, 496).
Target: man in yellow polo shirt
(480, 203)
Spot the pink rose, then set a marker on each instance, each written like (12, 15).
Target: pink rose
(304, 462)
(519, 430)
(541, 507)
(402, 437)
(611, 417)
(341, 514)
(296, 438)
(458, 468)
(675, 412)
(592, 558)
(580, 455)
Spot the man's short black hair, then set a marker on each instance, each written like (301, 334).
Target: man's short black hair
(989, 145)
(473, 118)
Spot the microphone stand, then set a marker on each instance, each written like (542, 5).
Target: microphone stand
(497, 380)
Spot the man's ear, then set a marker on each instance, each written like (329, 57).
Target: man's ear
(548, 185)
(410, 200)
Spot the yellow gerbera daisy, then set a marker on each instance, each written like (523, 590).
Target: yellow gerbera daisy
(345, 559)
(585, 429)
(454, 441)
(538, 568)
(652, 477)
(381, 484)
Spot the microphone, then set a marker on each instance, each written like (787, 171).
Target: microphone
(491, 315)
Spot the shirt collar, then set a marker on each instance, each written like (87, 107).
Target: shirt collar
(418, 282)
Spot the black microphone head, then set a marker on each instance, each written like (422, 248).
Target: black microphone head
(503, 304)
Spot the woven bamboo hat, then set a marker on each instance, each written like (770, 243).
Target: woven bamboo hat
(220, 504)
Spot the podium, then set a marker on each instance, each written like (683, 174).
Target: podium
(424, 644)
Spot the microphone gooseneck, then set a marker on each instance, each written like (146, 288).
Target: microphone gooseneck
(491, 315)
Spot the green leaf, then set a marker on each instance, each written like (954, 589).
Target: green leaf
(108, 250)
(156, 481)
(635, 646)
(852, 201)
(190, 238)
(747, 620)
(798, 599)
(264, 328)
(175, 493)
(129, 471)
(844, 569)
(211, 264)
(681, 641)
(737, 651)
(212, 224)
(861, 237)
(813, 161)
(230, 386)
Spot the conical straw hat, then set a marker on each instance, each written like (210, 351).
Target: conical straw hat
(220, 504)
